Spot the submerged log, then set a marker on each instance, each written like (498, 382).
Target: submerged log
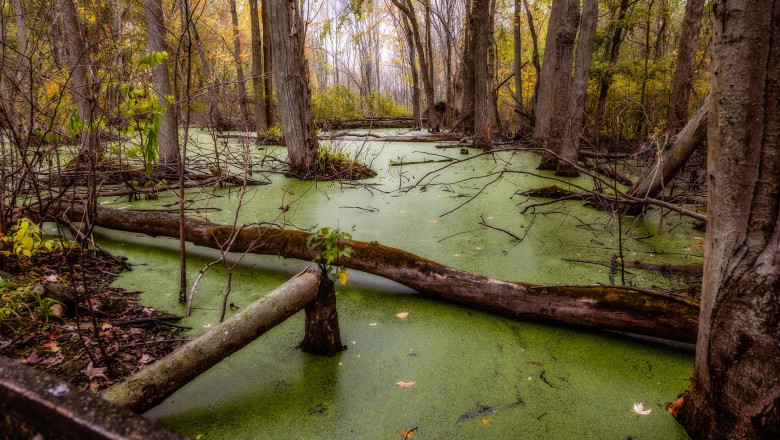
(159, 380)
(606, 307)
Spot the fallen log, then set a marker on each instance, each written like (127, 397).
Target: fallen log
(159, 380)
(598, 306)
(441, 137)
(37, 405)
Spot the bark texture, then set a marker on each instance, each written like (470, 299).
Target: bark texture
(159, 380)
(416, 115)
(267, 64)
(517, 63)
(683, 72)
(735, 392)
(322, 335)
(240, 81)
(168, 136)
(294, 96)
(673, 159)
(483, 22)
(606, 307)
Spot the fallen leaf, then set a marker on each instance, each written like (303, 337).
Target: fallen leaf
(432, 221)
(402, 315)
(93, 373)
(357, 356)
(51, 278)
(145, 359)
(701, 244)
(31, 359)
(405, 384)
(485, 421)
(106, 326)
(207, 325)
(444, 197)
(698, 238)
(54, 334)
(54, 360)
(639, 409)
(343, 277)
(52, 346)
(406, 433)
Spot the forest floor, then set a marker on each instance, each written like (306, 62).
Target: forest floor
(90, 346)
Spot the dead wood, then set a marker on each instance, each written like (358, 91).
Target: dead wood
(441, 137)
(159, 380)
(598, 306)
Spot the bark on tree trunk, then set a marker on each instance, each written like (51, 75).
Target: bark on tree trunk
(483, 21)
(579, 87)
(153, 384)
(261, 123)
(606, 81)
(212, 88)
(240, 81)
(735, 392)
(674, 158)
(267, 65)
(608, 307)
(467, 72)
(683, 72)
(290, 70)
(168, 136)
(554, 90)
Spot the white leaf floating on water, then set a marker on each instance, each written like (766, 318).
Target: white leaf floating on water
(639, 408)
(402, 315)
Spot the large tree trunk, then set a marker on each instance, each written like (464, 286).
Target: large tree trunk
(596, 306)
(240, 81)
(467, 72)
(683, 72)
(150, 386)
(168, 136)
(579, 87)
(554, 92)
(735, 392)
(416, 115)
(291, 76)
(82, 91)
(267, 64)
(261, 123)
(674, 158)
(483, 21)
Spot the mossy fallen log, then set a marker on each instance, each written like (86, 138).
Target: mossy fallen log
(616, 308)
(159, 380)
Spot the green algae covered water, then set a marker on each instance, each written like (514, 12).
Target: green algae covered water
(474, 375)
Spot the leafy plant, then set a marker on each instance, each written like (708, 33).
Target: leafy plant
(26, 239)
(328, 240)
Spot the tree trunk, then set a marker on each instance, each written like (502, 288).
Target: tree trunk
(212, 87)
(406, 7)
(535, 59)
(683, 72)
(735, 392)
(267, 65)
(552, 113)
(467, 72)
(416, 116)
(261, 123)
(322, 335)
(291, 74)
(606, 81)
(579, 87)
(517, 65)
(82, 91)
(596, 306)
(150, 386)
(240, 81)
(674, 158)
(168, 136)
(483, 21)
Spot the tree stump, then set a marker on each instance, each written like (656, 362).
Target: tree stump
(322, 335)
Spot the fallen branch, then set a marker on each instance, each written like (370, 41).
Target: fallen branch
(441, 137)
(401, 164)
(159, 380)
(607, 307)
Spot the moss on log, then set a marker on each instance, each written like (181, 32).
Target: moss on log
(159, 380)
(616, 308)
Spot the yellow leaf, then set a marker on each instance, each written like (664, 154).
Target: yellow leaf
(485, 421)
(357, 355)
(343, 277)
(432, 221)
